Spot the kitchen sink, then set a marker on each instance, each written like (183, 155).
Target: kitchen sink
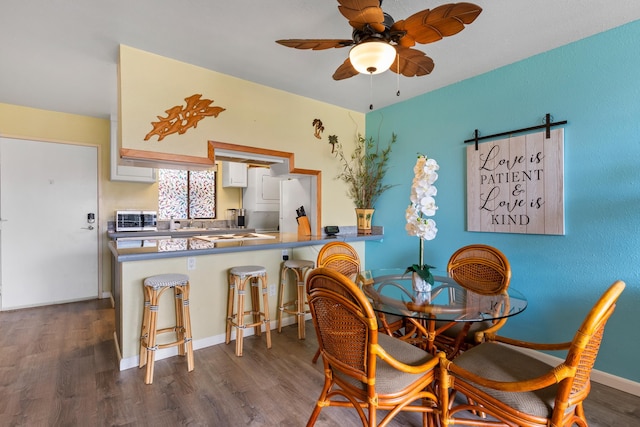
(214, 230)
(235, 237)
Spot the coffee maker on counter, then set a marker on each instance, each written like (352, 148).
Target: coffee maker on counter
(236, 218)
(241, 218)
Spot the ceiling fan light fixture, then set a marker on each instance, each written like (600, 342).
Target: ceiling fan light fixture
(372, 57)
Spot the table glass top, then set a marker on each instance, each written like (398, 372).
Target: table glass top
(391, 292)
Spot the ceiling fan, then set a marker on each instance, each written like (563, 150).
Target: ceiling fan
(380, 43)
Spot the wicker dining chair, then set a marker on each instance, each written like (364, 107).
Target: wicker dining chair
(343, 257)
(339, 256)
(517, 388)
(363, 369)
(484, 270)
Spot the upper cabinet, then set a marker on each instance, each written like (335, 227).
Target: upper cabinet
(234, 174)
(126, 173)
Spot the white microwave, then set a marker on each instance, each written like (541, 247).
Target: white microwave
(133, 220)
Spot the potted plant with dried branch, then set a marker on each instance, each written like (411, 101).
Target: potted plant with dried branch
(363, 171)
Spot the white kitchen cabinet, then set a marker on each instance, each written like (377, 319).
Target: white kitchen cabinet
(234, 174)
(126, 173)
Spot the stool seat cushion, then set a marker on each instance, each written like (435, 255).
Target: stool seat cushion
(299, 263)
(166, 280)
(248, 270)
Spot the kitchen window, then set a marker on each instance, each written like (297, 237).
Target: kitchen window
(186, 194)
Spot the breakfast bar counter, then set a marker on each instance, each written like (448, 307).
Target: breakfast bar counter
(155, 245)
(206, 259)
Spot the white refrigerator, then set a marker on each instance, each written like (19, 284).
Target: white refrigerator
(296, 192)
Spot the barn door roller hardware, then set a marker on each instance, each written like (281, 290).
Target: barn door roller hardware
(547, 125)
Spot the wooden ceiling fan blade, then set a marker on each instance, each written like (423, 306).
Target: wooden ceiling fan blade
(344, 71)
(315, 44)
(429, 26)
(363, 12)
(412, 63)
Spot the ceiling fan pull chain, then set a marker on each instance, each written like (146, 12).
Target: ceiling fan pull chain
(398, 74)
(371, 91)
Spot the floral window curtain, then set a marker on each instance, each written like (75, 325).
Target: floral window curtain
(202, 194)
(183, 194)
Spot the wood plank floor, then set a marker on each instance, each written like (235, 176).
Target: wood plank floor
(58, 367)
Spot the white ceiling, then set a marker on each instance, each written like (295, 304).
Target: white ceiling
(61, 54)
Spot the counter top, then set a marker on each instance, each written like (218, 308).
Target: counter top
(153, 246)
(180, 232)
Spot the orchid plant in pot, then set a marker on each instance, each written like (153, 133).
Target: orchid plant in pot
(418, 215)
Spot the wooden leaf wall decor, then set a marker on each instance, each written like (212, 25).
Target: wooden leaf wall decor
(180, 119)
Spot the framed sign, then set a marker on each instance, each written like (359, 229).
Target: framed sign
(516, 185)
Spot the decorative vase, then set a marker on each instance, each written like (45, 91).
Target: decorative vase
(364, 220)
(420, 286)
(422, 298)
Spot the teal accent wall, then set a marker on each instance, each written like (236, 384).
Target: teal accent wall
(594, 84)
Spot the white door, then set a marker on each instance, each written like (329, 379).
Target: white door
(48, 250)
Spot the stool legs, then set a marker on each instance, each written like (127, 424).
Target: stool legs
(302, 293)
(185, 325)
(230, 300)
(144, 334)
(255, 305)
(258, 285)
(265, 314)
(299, 304)
(281, 303)
(150, 329)
(240, 319)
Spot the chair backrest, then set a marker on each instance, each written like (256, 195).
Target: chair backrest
(345, 323)
(584, 350)
(480, 268)
(339, 256)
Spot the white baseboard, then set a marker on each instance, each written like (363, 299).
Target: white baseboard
(134, 362)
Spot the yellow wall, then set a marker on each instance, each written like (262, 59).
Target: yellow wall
(254, 115)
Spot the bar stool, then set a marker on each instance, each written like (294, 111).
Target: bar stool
(238, 278)
(153, 288)
(299, 267)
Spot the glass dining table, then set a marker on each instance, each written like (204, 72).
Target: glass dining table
(425, 315)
